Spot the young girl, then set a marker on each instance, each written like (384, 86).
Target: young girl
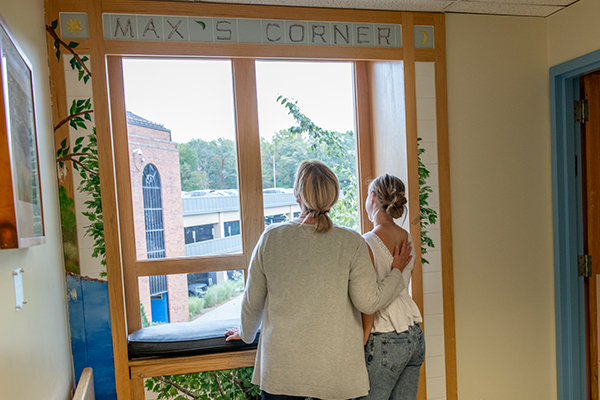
(394, 343)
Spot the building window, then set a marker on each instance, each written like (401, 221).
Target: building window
(153, 213)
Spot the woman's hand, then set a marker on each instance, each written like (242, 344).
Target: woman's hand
(232, 334)
(402, 256)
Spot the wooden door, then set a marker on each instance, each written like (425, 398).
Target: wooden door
(590, 153)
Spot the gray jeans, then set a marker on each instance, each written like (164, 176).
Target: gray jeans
(394, 361)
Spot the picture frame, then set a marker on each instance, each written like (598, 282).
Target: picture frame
(21, 210)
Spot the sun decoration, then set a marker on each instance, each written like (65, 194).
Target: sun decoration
(74, 26)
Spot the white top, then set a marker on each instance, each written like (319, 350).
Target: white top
(309, 289)
(402, 312)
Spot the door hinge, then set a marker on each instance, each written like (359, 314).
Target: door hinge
(581, 111)
(584, 266)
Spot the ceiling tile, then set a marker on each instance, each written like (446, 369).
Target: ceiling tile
(475, 7)
(562, 3)
(395, 5)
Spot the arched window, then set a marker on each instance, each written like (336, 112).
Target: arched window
(153, 214)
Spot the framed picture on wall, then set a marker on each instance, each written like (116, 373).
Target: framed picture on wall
(21, 214)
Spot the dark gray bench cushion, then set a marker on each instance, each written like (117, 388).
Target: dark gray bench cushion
(185, 338)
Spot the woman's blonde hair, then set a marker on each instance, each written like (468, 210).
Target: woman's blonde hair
(317, 187)
(390, 193)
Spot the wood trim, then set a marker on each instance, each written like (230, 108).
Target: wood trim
(248, 153)
(425, 19)
(425, 55)
(233, 50)
(412, 160)
(181, 365)
(109, 200)
(123, 180)
(188, 265)
(413, 174)
(364, 150)
(445, 218)
(137, 389)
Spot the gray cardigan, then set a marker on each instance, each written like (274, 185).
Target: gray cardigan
(309, 289)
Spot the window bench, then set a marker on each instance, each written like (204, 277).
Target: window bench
(186, 347)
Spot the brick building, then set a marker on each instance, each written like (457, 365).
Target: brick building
(158, 216)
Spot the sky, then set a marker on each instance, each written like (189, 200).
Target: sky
(194, 98)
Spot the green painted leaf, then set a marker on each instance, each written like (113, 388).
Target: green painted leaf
(61, 164)
(73, 44)
(63, 144)
(202, 24)
(58, 54)
(84, 58)
(79, 140)
(88, 117)
(86, 78)
(81, 73)
(54, 24)
(73, 108)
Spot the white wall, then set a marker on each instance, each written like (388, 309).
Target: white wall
(500, 173)
(35, 352)
(574, 31)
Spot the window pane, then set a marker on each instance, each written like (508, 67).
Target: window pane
(315, 122)
(181, 132)
(200, 297)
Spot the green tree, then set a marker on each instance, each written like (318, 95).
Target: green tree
(192, 177)
(289, 150)
(208, 165)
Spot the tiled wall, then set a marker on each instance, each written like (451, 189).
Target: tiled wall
(432, 272)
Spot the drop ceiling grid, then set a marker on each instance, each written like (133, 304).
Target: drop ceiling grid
(534, 8)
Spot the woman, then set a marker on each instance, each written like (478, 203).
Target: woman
(308, 282)
(394, 343)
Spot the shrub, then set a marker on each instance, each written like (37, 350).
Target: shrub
(196, 305)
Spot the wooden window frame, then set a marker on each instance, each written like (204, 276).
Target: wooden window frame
(122, 266)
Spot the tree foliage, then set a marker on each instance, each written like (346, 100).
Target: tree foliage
(338, 151)
(428, 215)
(228, 384)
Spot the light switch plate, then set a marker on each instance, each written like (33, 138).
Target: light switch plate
(18, 280)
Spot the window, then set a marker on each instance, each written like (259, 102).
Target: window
(310, 125)
(214, 172)
(378, 135)
(153, 216)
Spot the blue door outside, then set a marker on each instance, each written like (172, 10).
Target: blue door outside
(160, 308)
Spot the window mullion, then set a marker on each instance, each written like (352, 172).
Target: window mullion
(248, 152)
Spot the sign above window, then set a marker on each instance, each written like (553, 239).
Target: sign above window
(249, 31)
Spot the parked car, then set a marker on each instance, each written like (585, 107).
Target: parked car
(197, 193)
(207, 278)
(274, 190)
(197, 289)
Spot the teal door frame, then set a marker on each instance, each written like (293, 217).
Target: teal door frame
(567, 225)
